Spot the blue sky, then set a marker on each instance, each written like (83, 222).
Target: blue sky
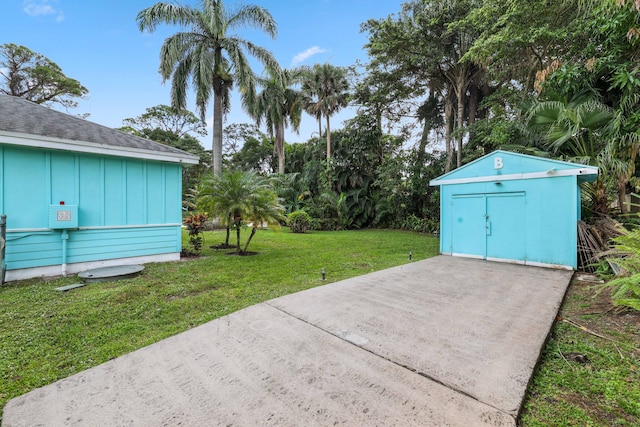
(98, 43)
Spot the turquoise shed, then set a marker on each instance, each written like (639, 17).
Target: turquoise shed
(514, 208)
(79, 195)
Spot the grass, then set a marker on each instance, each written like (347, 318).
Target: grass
(46, 335)
(604, 391)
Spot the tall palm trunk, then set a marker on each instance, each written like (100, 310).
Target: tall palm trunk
(280, 146)
(328, 140)
(216, 148)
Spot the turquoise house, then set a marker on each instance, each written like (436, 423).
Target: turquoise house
(79, 195)
(514, 208)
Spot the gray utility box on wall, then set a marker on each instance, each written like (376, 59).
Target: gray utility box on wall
(63, 216)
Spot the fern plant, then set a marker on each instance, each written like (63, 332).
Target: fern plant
(625, 290)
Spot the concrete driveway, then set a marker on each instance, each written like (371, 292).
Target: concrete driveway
(444, 341)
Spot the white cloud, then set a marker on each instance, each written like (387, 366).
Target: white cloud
(302, 56)
(42, 8)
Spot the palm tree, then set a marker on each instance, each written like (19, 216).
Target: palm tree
(328, 84)
(579, 130)
(280, 106)
(241, 197)
(208, 57)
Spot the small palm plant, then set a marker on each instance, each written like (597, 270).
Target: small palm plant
(239, 198)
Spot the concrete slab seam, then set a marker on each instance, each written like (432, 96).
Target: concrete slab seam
(410, 369)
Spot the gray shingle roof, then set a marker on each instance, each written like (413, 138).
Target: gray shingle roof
(20, 116)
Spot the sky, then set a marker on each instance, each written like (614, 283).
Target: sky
(98, 43)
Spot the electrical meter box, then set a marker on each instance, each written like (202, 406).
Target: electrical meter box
(63, 216)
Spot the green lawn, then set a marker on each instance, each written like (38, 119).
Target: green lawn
(46, 335)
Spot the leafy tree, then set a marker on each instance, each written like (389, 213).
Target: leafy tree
(279, 105)
(235, 135)
(208, 57)
(255, 155)
(329, 86)
(422, 50)
(168, 119)
(32, 76)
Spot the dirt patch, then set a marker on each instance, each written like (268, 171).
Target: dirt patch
(591, 305)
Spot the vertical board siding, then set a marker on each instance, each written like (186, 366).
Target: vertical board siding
(155, 194)
(135, 189)
(91, 200)
(173, 193)
(115, 212)
(110, 192)
(26, 195)
(63, 179)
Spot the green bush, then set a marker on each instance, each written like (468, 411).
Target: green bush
(625, 290)
(299, 221)
(421, 225)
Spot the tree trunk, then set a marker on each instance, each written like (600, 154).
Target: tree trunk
(622, 193)
(328, 140)
(424, 140)
(226, 241)
(280, 146)
(237, 224)
(474, 93)
(448, 112)
(460, 92)
(216, 148)
(253, 231)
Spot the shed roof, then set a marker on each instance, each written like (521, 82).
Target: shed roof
(514, 166)
(25, 123)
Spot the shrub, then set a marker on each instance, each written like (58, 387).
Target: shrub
(422, 225)
(195, 224)
(299, 221)
(625, 290)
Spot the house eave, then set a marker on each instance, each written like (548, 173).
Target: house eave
(39, 141)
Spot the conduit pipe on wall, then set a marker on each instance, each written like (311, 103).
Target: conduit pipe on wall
(64, 236)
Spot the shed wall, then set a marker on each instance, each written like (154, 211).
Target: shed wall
(548, 223)
(126, 207)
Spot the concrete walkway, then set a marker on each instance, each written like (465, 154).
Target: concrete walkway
(445, 341)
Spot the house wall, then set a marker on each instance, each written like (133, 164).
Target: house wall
(548, 220)
(126, 207)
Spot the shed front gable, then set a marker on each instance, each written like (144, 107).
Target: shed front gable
(502, 165)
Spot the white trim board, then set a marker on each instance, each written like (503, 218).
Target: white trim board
(552, 173)
(38, 141)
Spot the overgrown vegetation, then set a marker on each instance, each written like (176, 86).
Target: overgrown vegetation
(588, 374)
(625, 290)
